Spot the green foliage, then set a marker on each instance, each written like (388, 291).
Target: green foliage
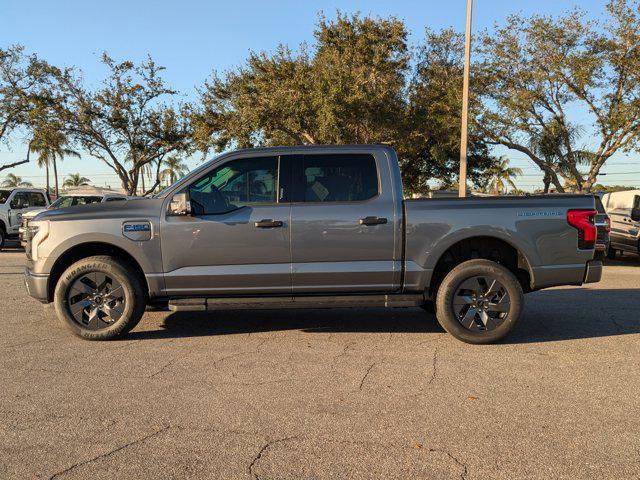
(354, 86)
(75, 180)
(50, 143)
(174, 168)
(611, 188)
(533, 69)
(125, 123)
(429, 136)
(13, 181)
(500, 176)
(24, 91)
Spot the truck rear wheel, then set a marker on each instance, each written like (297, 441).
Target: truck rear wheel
(99, 298)
(479, 301)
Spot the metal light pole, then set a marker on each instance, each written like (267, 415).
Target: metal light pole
(462, 181)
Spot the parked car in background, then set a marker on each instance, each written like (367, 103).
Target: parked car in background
(623, 209)
(14, 203)
(81, 196)
(603, 226)
(308, 227)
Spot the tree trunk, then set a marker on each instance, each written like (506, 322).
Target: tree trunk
(55, 174)
(546, 181)
(46, 167)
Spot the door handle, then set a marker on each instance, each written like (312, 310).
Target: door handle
(268, 223)
(372, 221)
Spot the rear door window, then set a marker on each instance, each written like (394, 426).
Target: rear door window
(338, 178)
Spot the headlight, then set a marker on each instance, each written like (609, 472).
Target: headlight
(38, 233)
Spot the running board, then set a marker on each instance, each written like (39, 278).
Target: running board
(255, 303)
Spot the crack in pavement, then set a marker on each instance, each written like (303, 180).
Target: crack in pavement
(109, 453)
(264, 448)
(465, 470)
(367, 374)
(341, 354)
(434, 366)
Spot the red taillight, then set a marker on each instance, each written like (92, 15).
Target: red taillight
(608, 227)
(584, 221)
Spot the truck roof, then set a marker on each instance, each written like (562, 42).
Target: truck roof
(23, 189)
(315, 148)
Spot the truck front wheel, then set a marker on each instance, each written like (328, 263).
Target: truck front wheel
(99, 298)
(479, 301)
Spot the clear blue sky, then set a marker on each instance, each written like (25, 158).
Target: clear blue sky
(191, 38)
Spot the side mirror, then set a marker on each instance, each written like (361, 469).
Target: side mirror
(180, 204)
(635, 214)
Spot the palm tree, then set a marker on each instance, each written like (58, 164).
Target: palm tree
(174, 169)
(501, 175)
(75, 180)
(550, 146)
(49, 142)
(13, 181)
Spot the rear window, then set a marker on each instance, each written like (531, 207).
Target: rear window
(339, 178)
(4, 195)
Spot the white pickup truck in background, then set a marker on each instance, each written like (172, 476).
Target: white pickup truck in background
(84, 195)
(623, 209)
(14, 202)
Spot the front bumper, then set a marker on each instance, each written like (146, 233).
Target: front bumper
(37, 285)
(593, 272)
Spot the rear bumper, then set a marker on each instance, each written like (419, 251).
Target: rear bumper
(570, 274)
(37, 285)
(593, 272)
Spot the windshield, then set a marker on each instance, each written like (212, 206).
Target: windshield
(68, 201)
(164, 191)
(4, 194)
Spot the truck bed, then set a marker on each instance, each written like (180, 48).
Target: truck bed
(535, 225)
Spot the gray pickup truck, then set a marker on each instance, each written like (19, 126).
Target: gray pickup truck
(307, 227)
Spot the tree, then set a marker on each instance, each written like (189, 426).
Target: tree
(550, 147)
(50, 143)
(532, 70)
(24, 87)
(429, 140)
(347, 90)
(174, 169)
(611, 188)
(125, 123)
(13, 181)
(75, 180)
(500, 175)
(354, 85)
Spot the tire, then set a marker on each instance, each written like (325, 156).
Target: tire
(99, 298)
(479, 302)
(3, 237)
(611, 253)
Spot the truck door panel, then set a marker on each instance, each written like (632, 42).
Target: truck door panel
(237, 239)
(344, 225)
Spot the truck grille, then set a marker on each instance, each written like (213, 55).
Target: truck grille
(25, 222)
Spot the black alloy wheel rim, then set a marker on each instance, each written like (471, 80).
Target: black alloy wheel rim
(481, 303)
(96, 300)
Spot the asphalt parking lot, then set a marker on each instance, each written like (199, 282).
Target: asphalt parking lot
(325, 394)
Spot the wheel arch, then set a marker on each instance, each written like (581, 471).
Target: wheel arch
(487, 247)
(90, 249)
